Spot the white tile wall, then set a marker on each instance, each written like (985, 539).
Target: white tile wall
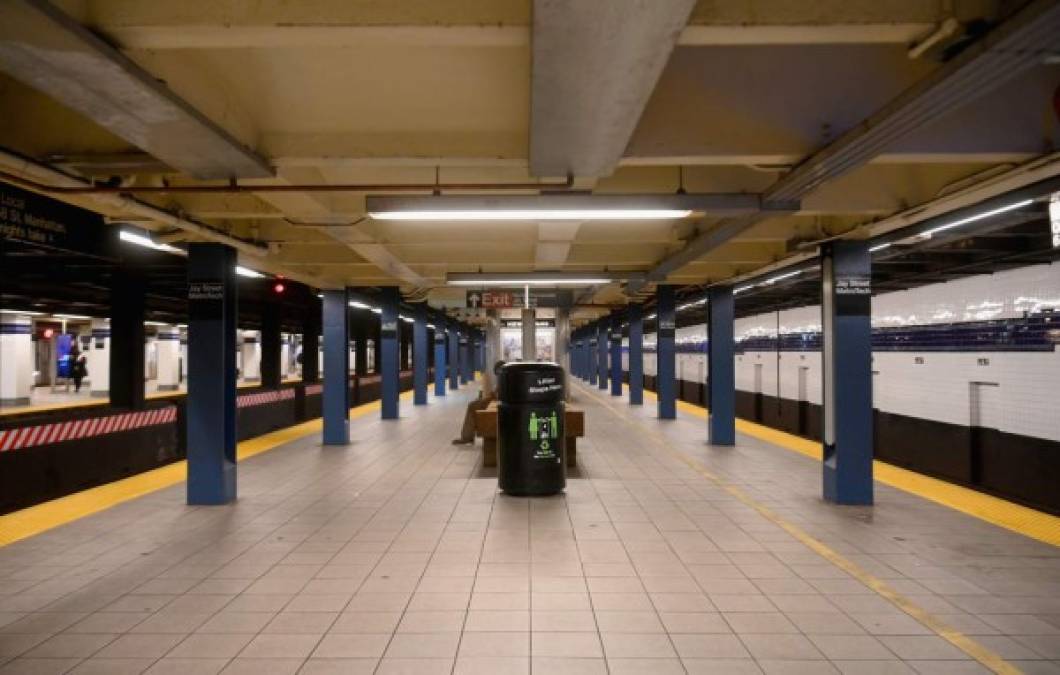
(940, 387)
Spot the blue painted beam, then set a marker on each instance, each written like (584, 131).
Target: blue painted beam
(636, 355)
(211, 402)
(419, 355)
(721, 367)
(389, 335)
(846, 356)
(336, 400)
(665, 354)
(616, 353)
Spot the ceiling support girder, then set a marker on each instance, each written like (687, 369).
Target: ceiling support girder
(51, 52)
(1009, 50)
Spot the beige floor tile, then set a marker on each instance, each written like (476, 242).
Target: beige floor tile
(352, 645)
(272, 646)
(203, 645)
(317, 666)
(495, 644)
(637, 645)
(569, 645)
(423, 645)
(432, 622)
(628, 622)
(568, 666)
(497, 620)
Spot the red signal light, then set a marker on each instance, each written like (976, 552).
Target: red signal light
(48, 333)
(278, 287)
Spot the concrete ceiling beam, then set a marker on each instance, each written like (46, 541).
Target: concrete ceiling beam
(594, 66)
(1007, 52)
(46, 49)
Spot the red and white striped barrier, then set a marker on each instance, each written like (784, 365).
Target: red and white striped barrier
(57, 432)
(250, 400)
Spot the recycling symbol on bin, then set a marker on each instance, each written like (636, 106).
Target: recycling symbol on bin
(543, 430)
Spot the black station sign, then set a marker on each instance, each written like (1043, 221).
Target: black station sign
(29, 218)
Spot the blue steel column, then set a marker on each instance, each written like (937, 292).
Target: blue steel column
(439, 357)
(590, 356)
(846, 356)
(419, 355)
(390, 298)
(211, 402)
(336, 402)
(616, 354)
(465, 357)
(454, 356)
(665, 356)
(721, 367)
(636, 355)
(601, 355)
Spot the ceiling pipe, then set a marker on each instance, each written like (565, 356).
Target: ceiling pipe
(233, 187)
(255, 252)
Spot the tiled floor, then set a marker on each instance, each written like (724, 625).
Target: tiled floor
(397, 555)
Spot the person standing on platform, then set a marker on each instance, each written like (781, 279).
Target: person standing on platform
(78, 367)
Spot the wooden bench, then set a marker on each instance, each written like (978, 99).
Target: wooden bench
(486, 427)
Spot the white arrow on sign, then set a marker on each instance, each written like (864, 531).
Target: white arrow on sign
(473, 299)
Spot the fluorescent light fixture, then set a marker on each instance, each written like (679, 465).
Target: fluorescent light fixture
(145, 241)
(979, 216)
(568, 206)
(880, 247)
(502, 281)
(780, 277)
(741, 289)
(406, 319)
(520, 279)
(19, 311)
(360, 305)
(431, 326)
(71, 316)
(376, 310)
(155, 323)
(651, 316)
(249, 273)
(535, 214)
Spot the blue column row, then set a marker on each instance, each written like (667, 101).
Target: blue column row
(419, 355)
(665, 354)
(601, 355)
(211, 402)
(616, 353)
(336, 402)
(846, 356)
(389, 353)
(439, 358)
(636, 355)
(721, 367)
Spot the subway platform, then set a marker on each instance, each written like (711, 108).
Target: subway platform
(396, 554)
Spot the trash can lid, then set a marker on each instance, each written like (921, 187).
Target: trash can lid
(531, 381)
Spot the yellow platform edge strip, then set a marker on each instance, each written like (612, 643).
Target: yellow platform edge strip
(994, 510)
(34, 520)
(974, 649)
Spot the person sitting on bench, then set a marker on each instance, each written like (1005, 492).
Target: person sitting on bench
(486, 396)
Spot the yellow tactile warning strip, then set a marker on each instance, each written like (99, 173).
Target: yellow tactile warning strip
(994, 510)
(43, 517)
(977, 651)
